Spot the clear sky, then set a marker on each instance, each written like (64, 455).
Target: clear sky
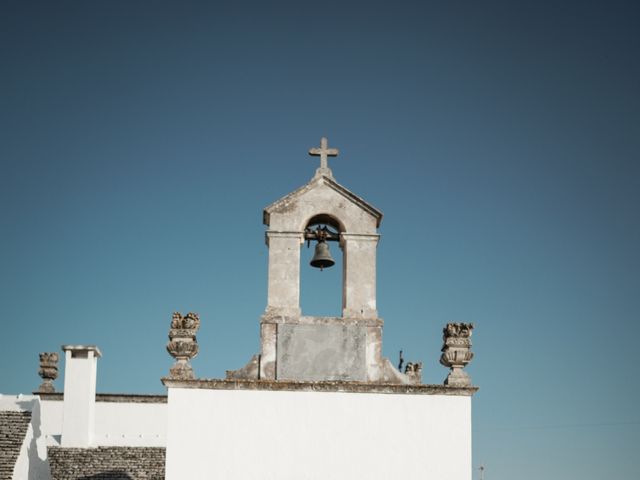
(140, 141)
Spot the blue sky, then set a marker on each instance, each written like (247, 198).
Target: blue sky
(140, 141)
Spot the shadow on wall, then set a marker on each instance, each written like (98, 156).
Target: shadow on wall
(38, 464)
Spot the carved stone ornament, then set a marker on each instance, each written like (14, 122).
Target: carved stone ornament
(414, 372)
(183, 345)
(48, 371)
(456, 353)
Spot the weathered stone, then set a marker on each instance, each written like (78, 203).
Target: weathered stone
(321, 352)
(414, 372)
(456, 353)
(250, 370)
(324, 386)
(323, 152)
(300, 347)
(183, 344)
(48, 371)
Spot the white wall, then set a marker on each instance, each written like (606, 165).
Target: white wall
(116, 423)
(51, 421)
(131, 424)
(80, 370)
(243, 434)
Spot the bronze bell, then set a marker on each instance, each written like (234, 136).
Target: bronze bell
(322, 257)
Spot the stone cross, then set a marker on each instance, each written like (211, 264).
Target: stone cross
(323, 152)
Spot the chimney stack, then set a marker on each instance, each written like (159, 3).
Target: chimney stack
(78, 419)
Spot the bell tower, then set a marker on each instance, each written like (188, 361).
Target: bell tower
(295, 346)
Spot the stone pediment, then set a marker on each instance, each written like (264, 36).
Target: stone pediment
(322, 195)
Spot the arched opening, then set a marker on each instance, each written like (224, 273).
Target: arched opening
(321, 289)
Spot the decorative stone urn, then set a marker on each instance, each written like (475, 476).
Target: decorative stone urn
(182, 344)
(456, 353)
(48, 371)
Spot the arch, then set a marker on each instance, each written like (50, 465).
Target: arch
(319, 285)
(324, 219)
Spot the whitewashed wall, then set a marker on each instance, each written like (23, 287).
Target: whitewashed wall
(244, 434)
(116, 423)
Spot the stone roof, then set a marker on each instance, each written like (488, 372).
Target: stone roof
(107, 463)
(13, 428)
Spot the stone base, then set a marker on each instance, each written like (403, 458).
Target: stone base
(47, 387)
(307, 348)
(321, 352)
(181, 371)
(458, 378)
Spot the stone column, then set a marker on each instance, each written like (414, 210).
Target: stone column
(283, 296)
(268, 341)
(359, 285)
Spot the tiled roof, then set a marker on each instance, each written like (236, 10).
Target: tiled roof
(13, 428)
(106, 463)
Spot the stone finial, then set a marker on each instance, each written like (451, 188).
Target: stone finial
(48, 371)
(323, 152)
(183, 345)
(414, 371)
(456, 353)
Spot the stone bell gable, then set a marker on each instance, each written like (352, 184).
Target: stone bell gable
(322, 201)
(299, 347)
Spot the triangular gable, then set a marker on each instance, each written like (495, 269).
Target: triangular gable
(346, 193)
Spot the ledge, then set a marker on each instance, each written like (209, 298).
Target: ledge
(326, 386)
(311, 320)
(109, 397)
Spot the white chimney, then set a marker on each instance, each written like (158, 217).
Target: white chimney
(78, 419)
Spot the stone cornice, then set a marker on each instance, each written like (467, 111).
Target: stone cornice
(110, 397)
(310, 320)
(270, 234)
(325, 386)
(274, 233)
(360, 237)
(80, 349)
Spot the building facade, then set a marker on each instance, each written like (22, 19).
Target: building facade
(317, 401)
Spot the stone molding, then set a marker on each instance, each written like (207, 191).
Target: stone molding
(311, 320)
(82, 349)
(324, 386)
(360, 237)
(108, 397)
(269, 234)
